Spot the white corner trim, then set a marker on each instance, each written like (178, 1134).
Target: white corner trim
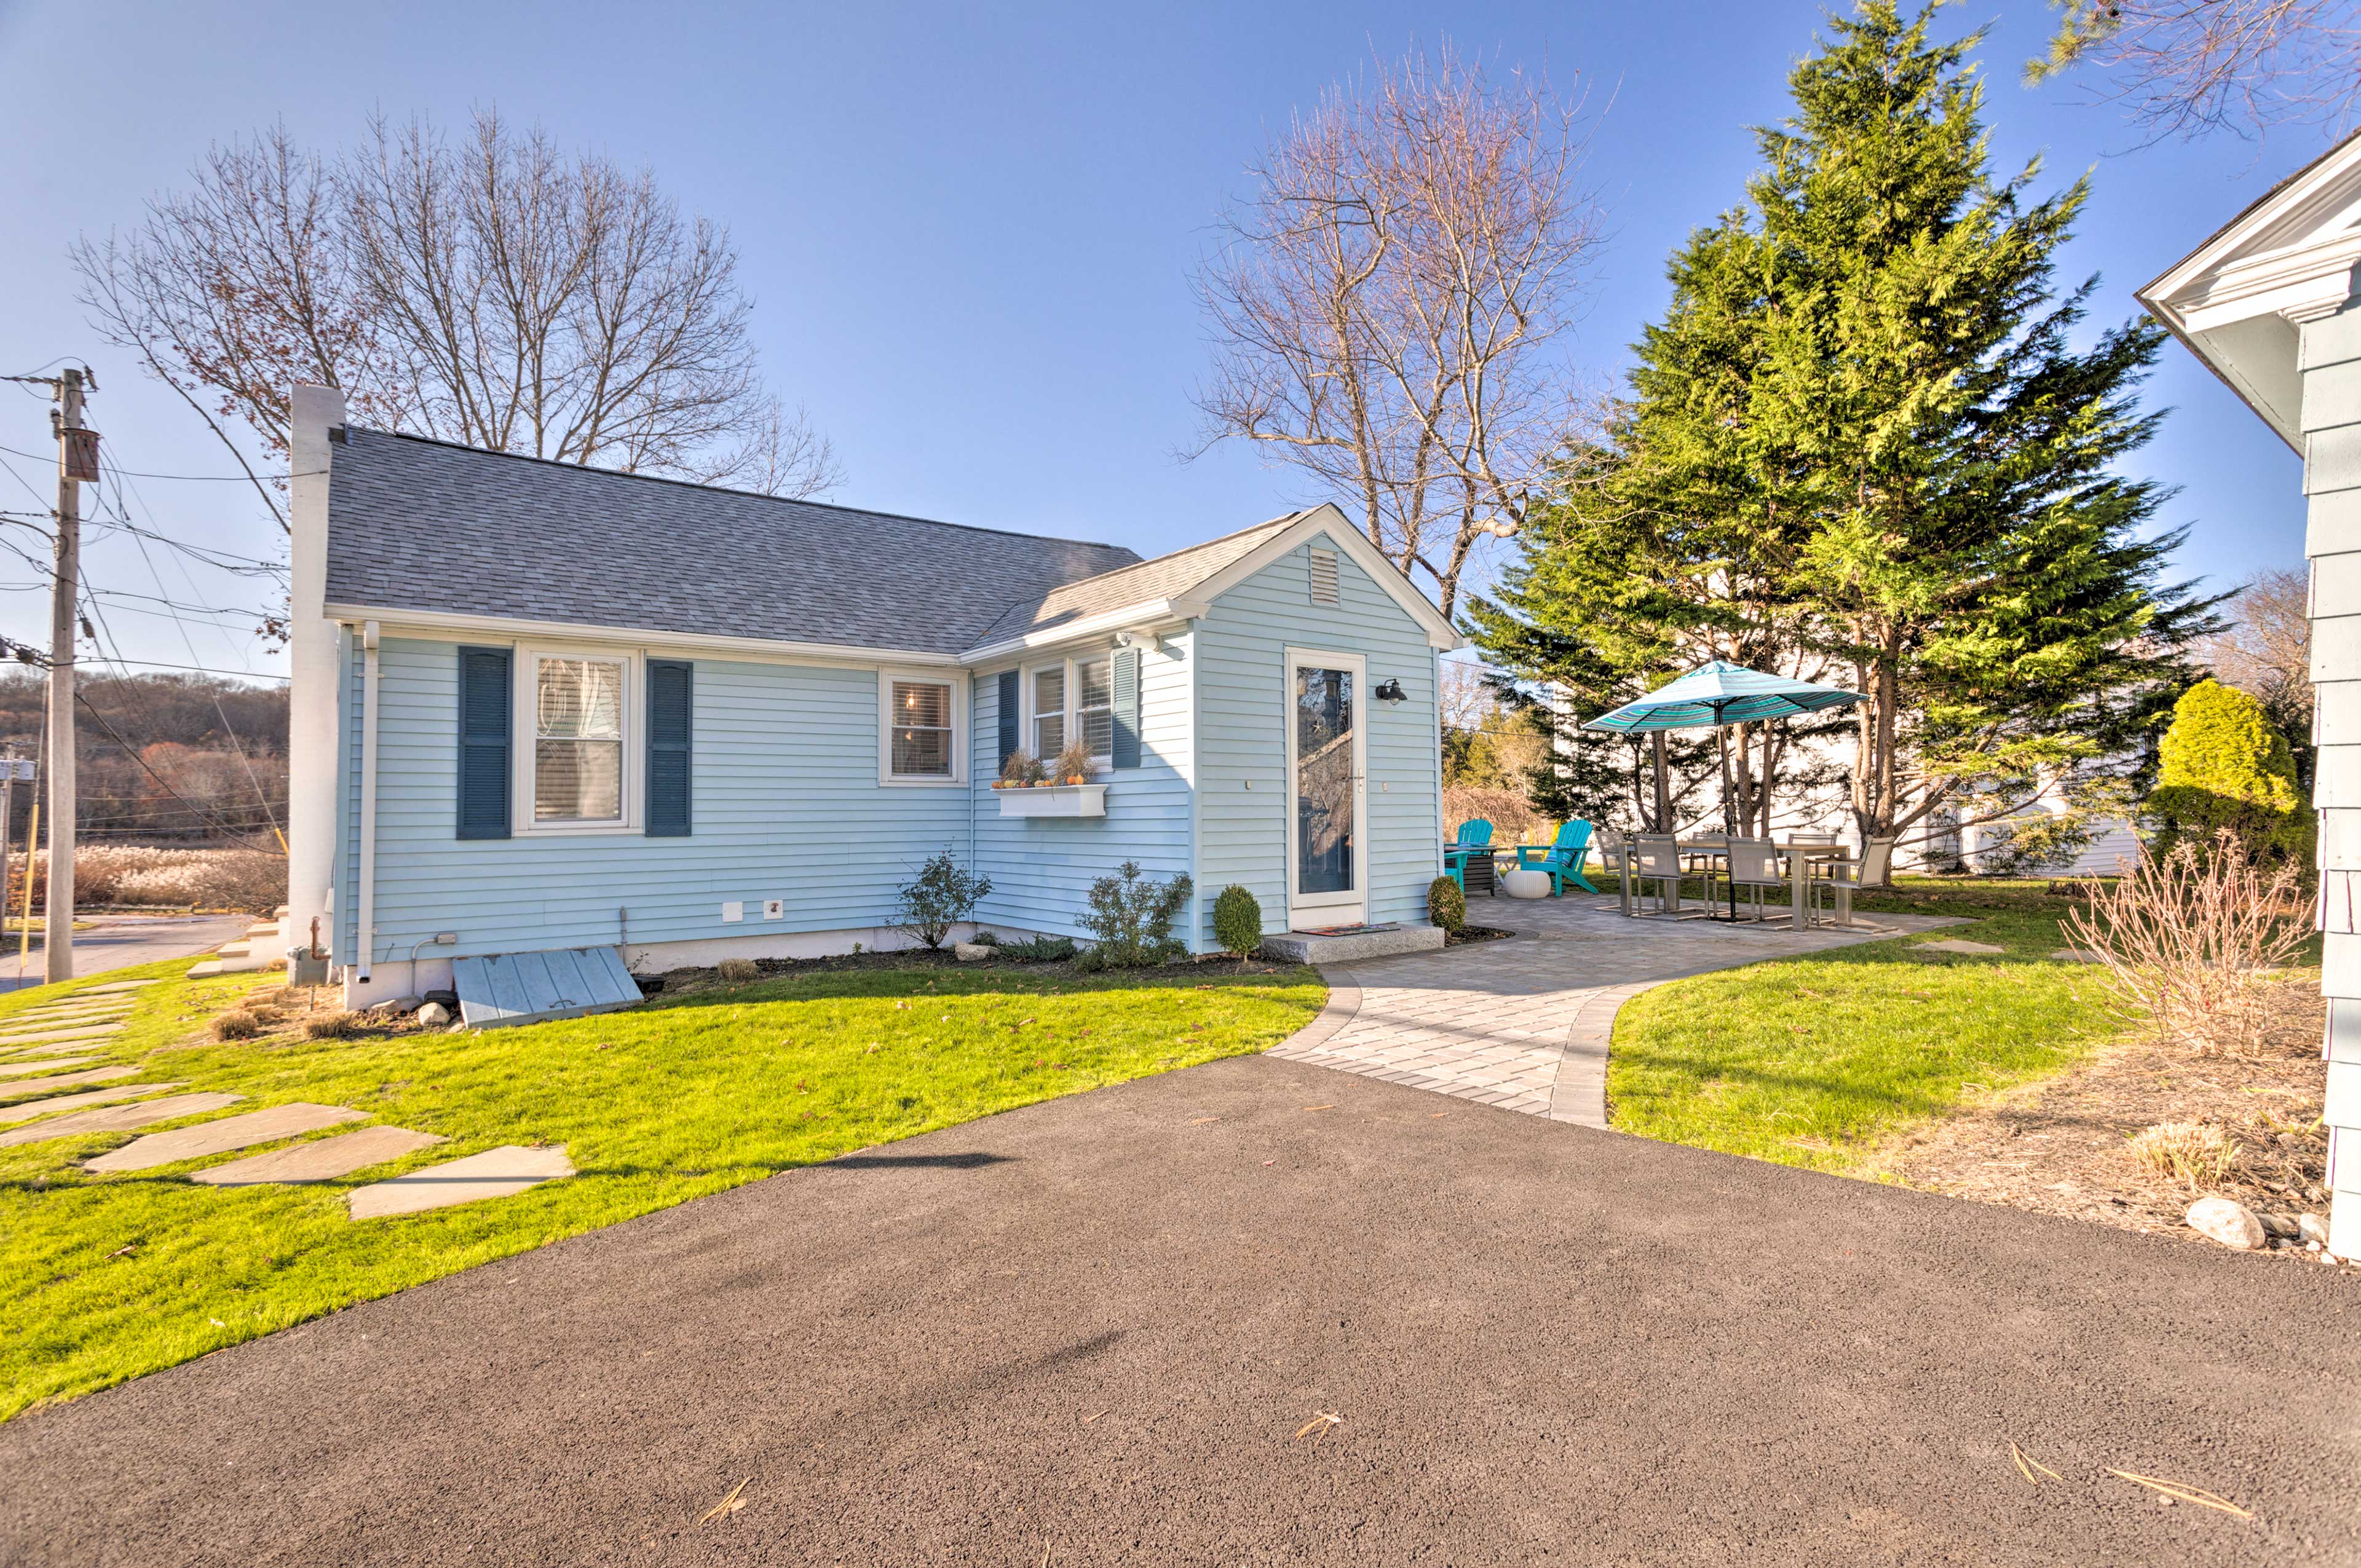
(959, 685)
(505, 628)
(367, 929)
(1326, 518)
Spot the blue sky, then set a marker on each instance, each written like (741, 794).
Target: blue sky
(969, 229)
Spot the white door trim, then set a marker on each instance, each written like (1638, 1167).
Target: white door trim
(1329, 908)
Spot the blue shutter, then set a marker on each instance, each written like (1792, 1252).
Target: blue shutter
(1007, 718)
(484, 742)
(1126, 708)
(670, 698)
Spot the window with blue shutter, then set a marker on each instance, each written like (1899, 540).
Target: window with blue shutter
(1007, 721)
(484, 777)
(1125, 750)
(670, 698)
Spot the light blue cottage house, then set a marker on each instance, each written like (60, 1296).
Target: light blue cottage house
(540, 707)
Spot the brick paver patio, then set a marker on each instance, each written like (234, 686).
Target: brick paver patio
(1523, 1024)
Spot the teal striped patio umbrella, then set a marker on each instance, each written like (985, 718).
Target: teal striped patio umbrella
(1717, 695)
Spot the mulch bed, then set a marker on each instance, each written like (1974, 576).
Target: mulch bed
(2057, 1146)
(1467, 934)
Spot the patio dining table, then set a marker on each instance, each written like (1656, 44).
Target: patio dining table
(1801, 858)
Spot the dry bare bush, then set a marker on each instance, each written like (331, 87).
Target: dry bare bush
(2197, 1154)
(337, 1026)
(2189, 941)
(237, 1025)
(254, 881)
(738, 971)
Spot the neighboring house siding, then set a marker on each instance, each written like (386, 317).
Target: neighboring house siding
(787, 806)
(1042, 868)
(1242, 645)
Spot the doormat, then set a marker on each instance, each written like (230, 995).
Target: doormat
(1346, 930)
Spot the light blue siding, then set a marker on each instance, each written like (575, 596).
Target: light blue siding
(1243, 806)
(1042, 868)
(787, 806)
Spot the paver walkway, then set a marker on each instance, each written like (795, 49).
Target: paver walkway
(120, 1118)
(1523, 1024)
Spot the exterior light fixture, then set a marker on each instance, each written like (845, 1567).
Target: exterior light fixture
(1389, 690)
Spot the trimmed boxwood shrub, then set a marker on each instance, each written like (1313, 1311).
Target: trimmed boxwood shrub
(2224, 765)
(1445, 905)
(1237, 921)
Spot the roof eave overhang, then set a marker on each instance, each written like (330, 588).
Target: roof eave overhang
(395, 620)
(1148, 615)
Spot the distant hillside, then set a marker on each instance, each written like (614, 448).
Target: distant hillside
(179, 734)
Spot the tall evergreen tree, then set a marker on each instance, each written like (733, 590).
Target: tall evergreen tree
(1862, 443)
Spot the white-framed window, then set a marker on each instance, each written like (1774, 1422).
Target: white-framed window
(1073, 698)
(577, 717)
(921, 720)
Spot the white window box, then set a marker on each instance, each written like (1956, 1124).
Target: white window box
(1054, 800)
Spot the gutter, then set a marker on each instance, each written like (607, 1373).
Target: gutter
(367, 912)
(1142, 615)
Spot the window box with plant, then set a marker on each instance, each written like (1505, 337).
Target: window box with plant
(1063, 788)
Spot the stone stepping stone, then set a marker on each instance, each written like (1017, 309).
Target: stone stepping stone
(64, 1081)
(220, 1137)
(33, 1108)
(119, 1118)
(1956, 946)
(71, 1009)
(495, 1173)
(2077, 955)
(63, 1037)
(10, 1069)
(322, 1160)
(114, 986)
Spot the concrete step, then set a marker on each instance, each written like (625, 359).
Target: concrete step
(1376, 942)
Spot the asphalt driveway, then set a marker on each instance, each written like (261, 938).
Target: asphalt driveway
(1090, 1331)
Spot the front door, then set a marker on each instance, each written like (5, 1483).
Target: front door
(1327, 762)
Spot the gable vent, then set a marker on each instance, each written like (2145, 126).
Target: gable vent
(1324, 576)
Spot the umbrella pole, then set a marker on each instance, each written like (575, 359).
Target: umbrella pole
(1729, 822)
(1664, 786)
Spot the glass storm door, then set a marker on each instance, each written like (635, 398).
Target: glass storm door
(1326, 754)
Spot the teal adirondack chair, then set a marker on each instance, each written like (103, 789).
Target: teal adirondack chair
(1561, 859)
(1475, 834)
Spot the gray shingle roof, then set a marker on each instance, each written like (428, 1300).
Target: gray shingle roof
(1166, 576)
(424, 525)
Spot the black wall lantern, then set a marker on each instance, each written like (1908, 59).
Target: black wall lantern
(1390, 691)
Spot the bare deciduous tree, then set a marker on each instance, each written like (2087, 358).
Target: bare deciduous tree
(1386, 304)
(2185, 67)
(499, 292)
(2266, 650)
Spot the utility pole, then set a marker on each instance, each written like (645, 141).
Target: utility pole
(77, 461)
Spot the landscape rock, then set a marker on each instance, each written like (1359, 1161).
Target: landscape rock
(2280, 1224)
(433, 1014)
(1960, 946)
(969, 952)
(2232, 1224)
(2311, 1228)
(396, 1007)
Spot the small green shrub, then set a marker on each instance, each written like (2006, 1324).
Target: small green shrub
(2223, 764)
(1237, 921)
(1131, 916)
(1040, 949)
(1446, 906)
(940, 896)
(738, 971)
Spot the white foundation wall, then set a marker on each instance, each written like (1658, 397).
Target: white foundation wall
(2330, 358)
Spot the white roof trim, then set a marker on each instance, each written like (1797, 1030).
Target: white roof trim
(2239, 300)
(504, 626)
(1147, 614)
(1328, 519)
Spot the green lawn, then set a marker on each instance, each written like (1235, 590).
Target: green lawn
(1816, 1061)
(103, 1279)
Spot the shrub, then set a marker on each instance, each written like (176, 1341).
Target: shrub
(738, 971)
(237, 1025)
(337, 1026)
(1237, 921)
(1446, 906)
(2223, 767)
(1131, 916)
(943, 893)
(252, 881)
(2187, 938)
(2195, 1154)
(1040, 949)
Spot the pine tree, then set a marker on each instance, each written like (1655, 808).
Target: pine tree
(1862, 445)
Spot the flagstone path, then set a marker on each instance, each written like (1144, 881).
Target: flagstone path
(64, 1080)
(495, 1173)
(32, 1108)
(61, 1038)
(219, 1137)
(1523, 1024)
(119, 1118)
(10, 1069)
(322, 1160)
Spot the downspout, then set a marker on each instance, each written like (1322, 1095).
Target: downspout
(367, 912)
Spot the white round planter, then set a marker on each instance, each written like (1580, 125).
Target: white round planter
(1523, 883)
